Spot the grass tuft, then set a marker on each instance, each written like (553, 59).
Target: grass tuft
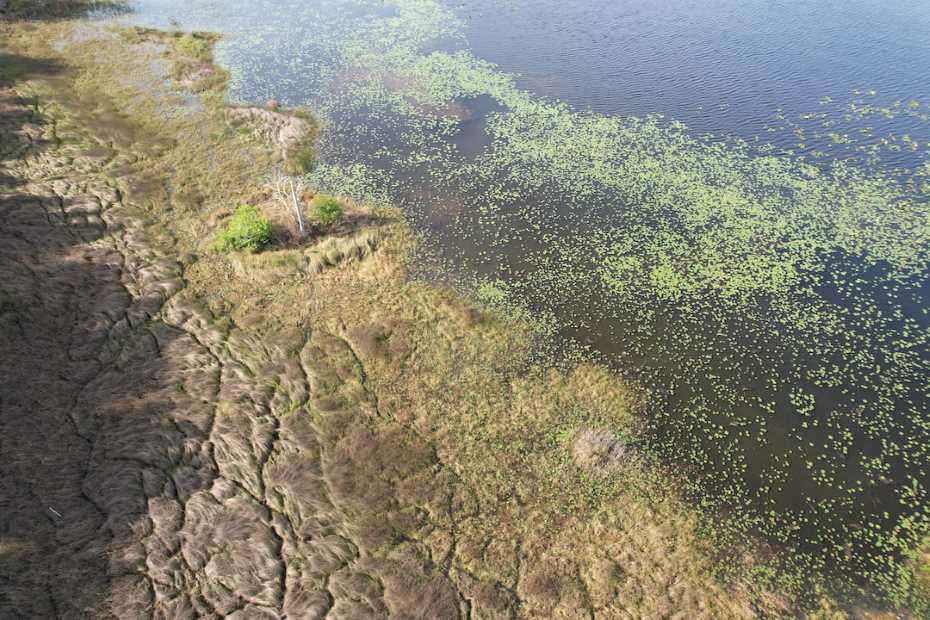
(195, 46)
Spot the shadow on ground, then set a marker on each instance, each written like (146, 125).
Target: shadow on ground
(87, 392)
(82, 413)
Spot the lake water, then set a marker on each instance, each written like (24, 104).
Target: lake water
(725, 199)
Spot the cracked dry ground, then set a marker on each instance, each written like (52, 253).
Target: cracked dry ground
(150, 466)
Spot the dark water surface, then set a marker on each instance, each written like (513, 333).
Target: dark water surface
(718, 65)
(803, 406)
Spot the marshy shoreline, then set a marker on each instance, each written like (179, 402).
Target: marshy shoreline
(303, 431)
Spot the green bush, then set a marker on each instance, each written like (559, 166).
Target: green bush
(247, 230)
(325, 210)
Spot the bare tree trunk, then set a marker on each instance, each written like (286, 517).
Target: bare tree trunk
(300, 217)
(286, 189)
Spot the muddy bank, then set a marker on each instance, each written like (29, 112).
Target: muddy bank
(152, 464)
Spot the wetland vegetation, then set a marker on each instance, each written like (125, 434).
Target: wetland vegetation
(693, 377)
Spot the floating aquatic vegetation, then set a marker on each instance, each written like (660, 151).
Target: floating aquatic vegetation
(776, 307)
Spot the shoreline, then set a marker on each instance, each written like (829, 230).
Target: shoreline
(410, 365)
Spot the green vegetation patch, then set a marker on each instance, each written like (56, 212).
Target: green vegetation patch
(195, 45)
(247, 230)
(303, 157)
(325, 210)
(190, 54)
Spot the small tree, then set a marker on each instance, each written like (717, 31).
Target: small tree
(325, 210)
(285, 190)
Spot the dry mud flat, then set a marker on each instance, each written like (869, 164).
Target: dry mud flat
(153, 463)
(158, 462)
(150, 467)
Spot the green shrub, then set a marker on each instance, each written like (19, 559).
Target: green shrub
(325, 210)
(247, 230)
